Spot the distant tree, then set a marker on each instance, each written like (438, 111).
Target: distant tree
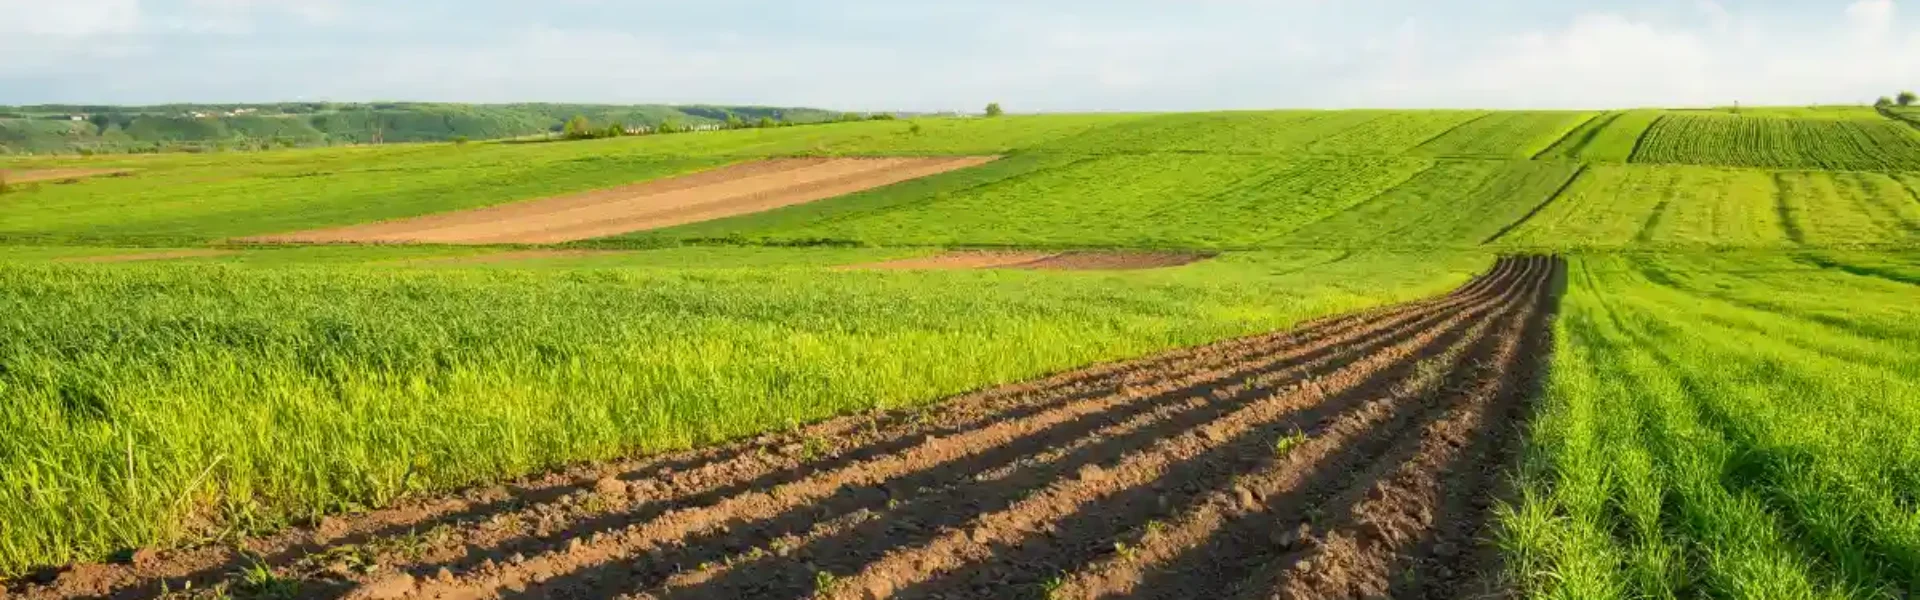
(3, 183)
(1906, 98)
(616, 130)
(459, 140)
(1883, 102)
(913, 128)
(994, 110)
(100, 122)
(734, 122)
(767, 123)
(669, 126)
(851, 117)
(880, 117)
(578, 128)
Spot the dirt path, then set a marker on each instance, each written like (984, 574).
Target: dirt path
(1353, 457)
(56, 175)
(1039, 261)
(728, 191)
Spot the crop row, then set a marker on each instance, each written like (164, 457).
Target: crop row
(1783, 143)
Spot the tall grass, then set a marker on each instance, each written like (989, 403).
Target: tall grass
(160, 404)
(1727, 427)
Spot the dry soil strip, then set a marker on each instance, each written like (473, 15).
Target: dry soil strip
(688, 506)
(727, 191)
(37, 175)
(147, 256)
(1040, 261)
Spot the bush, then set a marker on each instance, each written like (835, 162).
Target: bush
(994, 110)
(1905, 98)
(768, 123)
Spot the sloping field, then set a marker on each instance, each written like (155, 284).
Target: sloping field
(1183, 200)
(1651, 206)
(1455, 203)
(1354, 457)
(1394, 132)
(725, 192)
(1847, 208)
(1705, 139)
(1611, 137)
(1506, 134)
(1253, 132)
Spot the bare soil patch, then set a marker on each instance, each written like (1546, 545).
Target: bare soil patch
(724, 192)
(1042, 261)
(56, 175)
(1352, 457)
(146, 256)
(516, 256)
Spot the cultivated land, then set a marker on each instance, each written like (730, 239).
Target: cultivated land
(853, 360)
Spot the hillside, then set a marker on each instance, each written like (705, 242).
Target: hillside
(43, 129)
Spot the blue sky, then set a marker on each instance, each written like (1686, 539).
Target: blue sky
(1032, 55)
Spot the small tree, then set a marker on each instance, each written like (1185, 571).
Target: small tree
(1883, 102)
(578, 127)
(767, 123)
(3, 182)
(669, 126)
(459, 140)
(734, 122)
(616, 130)
(994, 110)
(1906, 98)
(913, 128)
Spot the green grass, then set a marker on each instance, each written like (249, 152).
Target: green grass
(1609, 138)
(1724, 426)
(1170, 200)
(1845, 144)
(1658, 206)
(1262, 132)
(1848, 208)
(1453, 204)
(151, 404)
(1507, 134)
(1394, 132)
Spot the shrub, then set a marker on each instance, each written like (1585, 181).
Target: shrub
(994, 110)
(1905, 98)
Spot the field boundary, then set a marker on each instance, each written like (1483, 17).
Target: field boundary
(1568, 184)
(1606, 119)
(1641, 141)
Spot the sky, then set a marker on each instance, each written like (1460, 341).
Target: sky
(921, 55)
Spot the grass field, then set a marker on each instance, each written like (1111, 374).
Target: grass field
(149, 402)
(1725, 426)
(1725, 412)
(1660, 206)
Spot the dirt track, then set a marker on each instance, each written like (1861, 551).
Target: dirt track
(1039, 261)
(724, 192)
(35, 175)
(1354, 457)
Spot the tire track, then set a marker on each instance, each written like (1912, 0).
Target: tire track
(1014, 485)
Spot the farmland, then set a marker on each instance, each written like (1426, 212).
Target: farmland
(1220, 354)
(1844, 144)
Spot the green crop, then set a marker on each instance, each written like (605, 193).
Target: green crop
(1850, 144)
(1607, 138)
(1728, 427)
(1456, 203)
(1507, 134)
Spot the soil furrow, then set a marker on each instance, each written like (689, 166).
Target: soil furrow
(831, 491)
(1035, 517)
(1007, 486)
(1189, 552)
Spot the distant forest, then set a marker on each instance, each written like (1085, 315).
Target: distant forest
(84, 129)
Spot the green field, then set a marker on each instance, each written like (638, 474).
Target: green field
(256, 395)
(1728, 412)
(1725, 426)
(1741, 141)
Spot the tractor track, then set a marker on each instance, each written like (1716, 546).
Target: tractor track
(1352, 457)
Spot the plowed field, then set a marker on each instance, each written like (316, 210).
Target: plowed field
(735, 190)
(1354, 457)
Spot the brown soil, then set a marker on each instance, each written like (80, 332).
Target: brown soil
(1042, 261)
(56, 175)
(1351, 457)
(724, 192)
(145, 256)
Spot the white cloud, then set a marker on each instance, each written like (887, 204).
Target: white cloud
(69, 18)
